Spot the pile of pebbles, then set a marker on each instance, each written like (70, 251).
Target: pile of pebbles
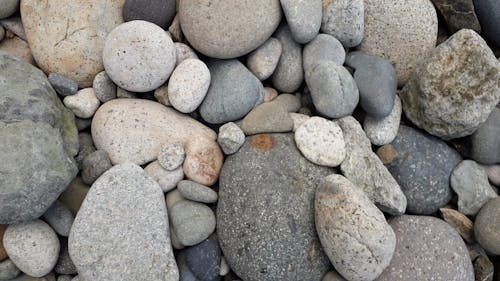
(258, 140)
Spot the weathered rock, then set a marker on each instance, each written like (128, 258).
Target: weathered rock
(269, 117)
(458, 14)
(332, 276)
(487, 226)
(460, 222)
(486, 140)
(303, 17)
(345, 20)
(230, 138)
(63, 85)
(289, 74)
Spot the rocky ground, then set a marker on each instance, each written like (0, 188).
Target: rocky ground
(262, 140)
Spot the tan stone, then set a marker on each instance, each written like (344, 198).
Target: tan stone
(17, 47)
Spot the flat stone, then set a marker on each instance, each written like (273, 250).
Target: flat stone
(383, 131)
(165, 178)
(203, 259)
(9, 7)
(188, 85)
(460, 222)
(83, 104)
(458, 14)
(193, 222)
(197, 192)
(486, 140)
(104, 88)
(60, 218)
(323, 47)
(269, 117)
(289, 74)
(171, 156)
(303, 17)
(344, 19)
(159, 12)
(94, 165)
(488, 13)
(289, 102)
(230, 138)
(63, 85)
(263, 61)
(487, 226)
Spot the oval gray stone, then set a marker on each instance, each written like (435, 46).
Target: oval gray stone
(487, 227)
(60, 218)
(289, 74)
(345, 20)
(323, 48)
(486, 140)
(192, 222)
(303, 17)
(196, 192)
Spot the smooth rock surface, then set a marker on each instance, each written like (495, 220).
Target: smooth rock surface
(323, 47)
(263, 61)
(197, 192)
(64, 263)
(60, 218)
(494, 174)
(487, 226)
(188, 85)
(159, 12)
(18, 48)
(184, 52)
(303, 18)
(269, 117)
(203, 259)
(192, 222)
(74, 195)
(64, 86)
(345, 20)
(165, 178)
(94, 165)
(83, 104)
(8, 270)
(230, 138)
(458, 14)
(486, 140)
(383, 131)
(488, 12)
(9, 7)
(104, 88)
(289, 73)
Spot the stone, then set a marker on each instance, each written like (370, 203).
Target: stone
(159, 12)
(270, 94)
(377, 83)
(263, 61)
(8, 270)
(427, 248)
(133, 130)
(233, 92)
(74, 195)
(64, 278)
(488, 13)
(171, 156)
(17, 47)
(483, 269)
(124, 94)
(83, 104)
(63, 85)
(33, 246)
(458, 107)
(332, 276)
(344, 20)
(486, 140)
(185, 273)
(193, 222)
(48, 277)
(228, 28)
(3, 253)
(494, 174)
(280, 216)
(364, 169)
(9, 7)
(203, 259)
(68, 38)
(269, 117)
(94, 165)
(64, 263)
(184, 52)
(487, 227)
(387, 154)
(291, 103)
(224, 267)
(360, 245)
(230, 138)
(321, 141)
(323, 47)
(458, 14)
(460, 222)
(14, 24)
(173, 197)
(60, 218)
(86, 147)
(470, 182)
(298, 120)
(402, 32)
(303, 17)
(423, 169)
(161, 95)
(2, 33)
(104, 88)
(127, 244)
(289, 74)
(383, 131)
(333, 90)
(197, 192)
(188, 85)
(139, 56)
(166, 179)
(32, 116)
(82, 124)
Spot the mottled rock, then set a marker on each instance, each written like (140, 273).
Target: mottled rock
(60, 218)
(188, 85)
(63, 85)
(171, 156)
(192, 222)
(263, 61)
(345, 20)
(487, 226)
(203, 259)
(383, 131)
(486, 140)
(269, 117)
(323, 47)
(303, 18)
(289, 74)
(230, 138)
(104, 88)
(458, 14)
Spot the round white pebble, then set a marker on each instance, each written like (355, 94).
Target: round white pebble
(188, 85)
(83, 104)
(171, 156)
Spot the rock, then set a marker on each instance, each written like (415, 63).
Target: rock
(460, 222)
(64, 263)
(321, 141)
(494, 174)
(298, 120)
(344, 19)
(48, 277)
(32, 116)
(124, 94)
(365, 170)
(483, 269)
(82, 124)
(3, 254)
(166, 179)
(197, 192)
(159, 12)
(9, 7)
(86, 147)
(387, 154)
(94, 165)
(323, 48)
(230, 138)
(171, 156)
(64, 278)
(188, 85)
(33, 246)
(470, 182)
(458, 107)
(402, 32)
(383, 131)
(427, 248)
(83, 104)
(104, 88)
(289, 74)
(184, 52)
(14, 24)
(185, 273)
(203, 259)
(18, 48)
(2, 33)
(172, 198)
(289, 102)
(269, 117)
(377, 83)
(303, 17)
(281, 182)
(333, 90)
(458, 14)
(63, 85)
(486, 140)
(161, 95)
(488, 12)
(60, 218)
(263, 61)
(224, 267)
(487, 227)
(270, 94)
(229, 28)
(133, 130)
(193, 222)
(360, 246)
(423, 170)
(233, 92)
(74, 195)
(332, 276)
(132, 46)
(68, 38)
(8, 270)
(146, 252)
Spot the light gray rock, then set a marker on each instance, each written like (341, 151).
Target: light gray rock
(197, 192)
(384, 131)
(15, 25)
(298, 120)
(64, 263)
(188, 85)
(86, 147)
(63, 85)
(184, 52)
(303, 17)
(104, 88)
(171, 156)
(289, 102)
(494, 174)
(64, 278)
(60, 218)
(83, 104)
(263, 61)
(165, 178)
(269, 117)
(486, 140)
(94, 165)
(9, 7)
(128, 244)
(193, 222)
(8, 270)
(323, 47)
(289, 73)
(487, 227)
(345, 20)
(230, 138)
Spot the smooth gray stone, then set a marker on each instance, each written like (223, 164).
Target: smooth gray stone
(486, 140)
(63, 85)
(289, 74)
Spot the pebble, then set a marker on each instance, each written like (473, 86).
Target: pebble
(230, 138)
(161, 95)
(188, 85)
(291, 103)
(427, 249)
(14, 25)
(383, 131)
(228, 28)
(137, 244)
(269, 117)
(74, 195)
(139, 56)
(344, 19)
(2, 33)
(487, 226)
(193, 222)
(33, 246)
(17, 47)
(303, 17)
(9, 7)
(458, 14)
(185, 273)
(233, 92)
(63, 85)
(321, 141)
(364, 169)
(360, 245)
(485, 141)
(171, 156)
(3, 253)
(332, 276)
(48, 277)
(196, 192)
(460, 222)
(104, 88)
(64, 278)
(184, 52)
(488, 12)
(263, 61)
(83, 104)
(289, 74)
(94, 165)
(224, 267)
(82, 124)
(428, 102)
(159, 12)
(323, 47)
(165, 178)
(203, 259)
(333, 90)
(494, 174)
(64, 263)
(172, 198)
(124, 94)
(424, 171)
(60, 218)
(8, 270)
(387, 154)
(402, 32)
(298, 119)
(483, 269)
(86, 147)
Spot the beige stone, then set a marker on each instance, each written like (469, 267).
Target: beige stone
(17, 47)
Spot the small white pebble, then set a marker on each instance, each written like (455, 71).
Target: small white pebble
(83, 104)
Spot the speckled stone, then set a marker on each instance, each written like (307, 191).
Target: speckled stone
(263, 61)
(171, 156)
(323, 47)
(94, 165)
(383, 131)
(289, 73)
(487, 226)
(197, 192)
(60, 218)
(230, 138)
(74, 195)
(18, 48)
(458, 14)
(184, 52)
(345, 20)
(83, 104)
(64, 263)
(104, 88)
(303, 17)
(193, 222)
(63, 85)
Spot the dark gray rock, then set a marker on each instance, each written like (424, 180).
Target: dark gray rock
(487, 226)
(265, 214)
(63, 85)
(159, 12)
(60, 218)
(104, 88)
(185, 273)
(323, 47)
(9, 7)
(427, 248)
(303, 17)
(458, 14)
(94, 165)
(64, 263)
(8, 270)
(488, 12)
(486, 140)
(289, 74)
(423, 169)
(203, 259)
